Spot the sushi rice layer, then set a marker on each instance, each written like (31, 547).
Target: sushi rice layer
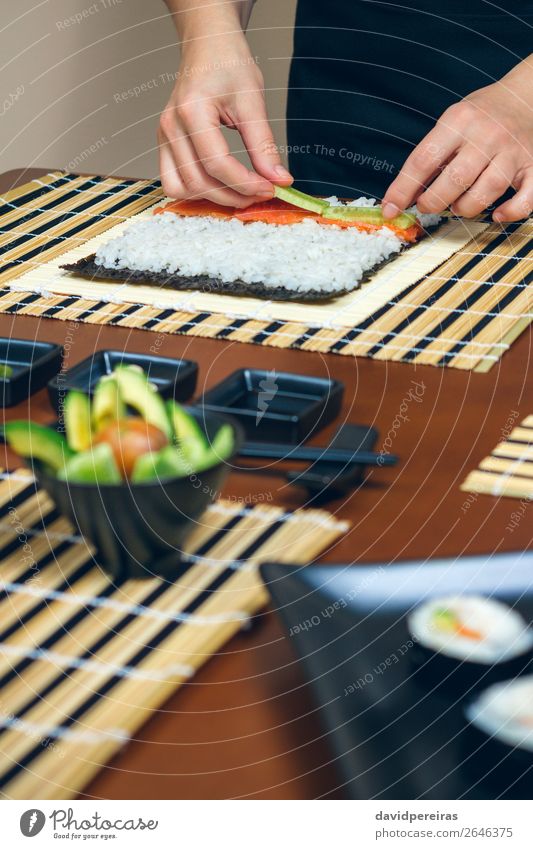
(298, 257)
(505, 712)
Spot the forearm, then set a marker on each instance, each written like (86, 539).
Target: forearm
(202, 18)
(218, 85)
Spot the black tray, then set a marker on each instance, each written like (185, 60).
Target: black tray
(276, 406)
(33, 364)
(394, 736)
(174, 378)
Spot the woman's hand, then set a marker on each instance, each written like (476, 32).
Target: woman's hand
(218, 83)
(477, 150)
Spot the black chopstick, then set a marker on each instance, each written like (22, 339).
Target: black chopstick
(311, 453)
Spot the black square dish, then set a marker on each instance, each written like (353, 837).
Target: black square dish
(174, 378)
(276, 406)
(27, 365)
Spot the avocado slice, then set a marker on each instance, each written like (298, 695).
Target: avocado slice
(137, 392)
(107, 405)
(445, 620)
(224, 442)
(188, 434)
(77, 419)
(184, 426)
(220, 449)
(168, 462)
(94, 466)
(368, 215)
(41, 443)
(300, 199)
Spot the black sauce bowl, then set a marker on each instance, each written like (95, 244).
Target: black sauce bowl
(138, 529)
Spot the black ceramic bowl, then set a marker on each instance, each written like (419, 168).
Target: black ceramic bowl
(138, 530)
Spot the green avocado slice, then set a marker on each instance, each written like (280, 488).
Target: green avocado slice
(300, 199)
(137, 392)
(220, 449)
(368, 215)
(31, 440)
(95, 466)
(193, 443)
(185, 426)
(217, 452)
(77, 419)
(364, 214)
(107, 405)
(168, 462)
(188, 435)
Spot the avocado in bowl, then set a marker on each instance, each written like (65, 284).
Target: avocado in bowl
(133, 473)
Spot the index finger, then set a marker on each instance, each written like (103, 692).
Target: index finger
(426, 160)
(214, 154)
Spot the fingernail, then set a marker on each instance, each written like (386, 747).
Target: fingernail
(390, 210)
(265, 194)
(282, 172)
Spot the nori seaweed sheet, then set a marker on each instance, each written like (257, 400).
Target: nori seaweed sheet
(87, 267)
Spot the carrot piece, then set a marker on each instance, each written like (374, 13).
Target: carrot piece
(196, 208)
(469, 633)
(447, 620)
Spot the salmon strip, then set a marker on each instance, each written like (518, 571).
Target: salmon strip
(277, 211)
(274, 211)
(408, 234)
(196, 207)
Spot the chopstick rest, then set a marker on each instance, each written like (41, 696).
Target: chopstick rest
(326, 479)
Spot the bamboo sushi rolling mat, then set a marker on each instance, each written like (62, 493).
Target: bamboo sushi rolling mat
(85, 660)
(509, 468)
(459, 298)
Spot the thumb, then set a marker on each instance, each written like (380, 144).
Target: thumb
(259, 141)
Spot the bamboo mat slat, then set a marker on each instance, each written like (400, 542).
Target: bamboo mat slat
(459, 298)
(84, 661)
(508, 470)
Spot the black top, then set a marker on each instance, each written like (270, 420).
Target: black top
(369, 78)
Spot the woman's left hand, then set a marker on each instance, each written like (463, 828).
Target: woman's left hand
(478, 149)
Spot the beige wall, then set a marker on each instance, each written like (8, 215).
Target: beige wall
(61, 79)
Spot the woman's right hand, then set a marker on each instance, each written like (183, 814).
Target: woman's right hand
(214, 89)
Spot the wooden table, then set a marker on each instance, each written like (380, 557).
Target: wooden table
(246, 726)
